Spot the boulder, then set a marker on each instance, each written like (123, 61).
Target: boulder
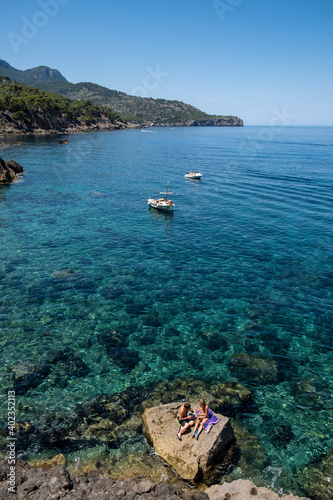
(64, 141)
(192, 459)
(9, 171)
(243, 489)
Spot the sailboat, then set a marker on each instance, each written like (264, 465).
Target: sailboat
(162, 203)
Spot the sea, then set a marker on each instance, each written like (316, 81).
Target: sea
(246, 256)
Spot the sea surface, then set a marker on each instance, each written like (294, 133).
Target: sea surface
(246, 255)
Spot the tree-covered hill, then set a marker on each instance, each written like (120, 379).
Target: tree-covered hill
(25, 108)
(140, 110)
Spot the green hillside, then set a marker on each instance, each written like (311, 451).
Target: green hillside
(23, 106)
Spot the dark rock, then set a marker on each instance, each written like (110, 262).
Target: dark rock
(64, 141)
(116, 347)
(111, 292)
(214, 340)
(247, 367)
(9, 171)
(281, 435)
(112, 339)
(28, 375)
(71, 364)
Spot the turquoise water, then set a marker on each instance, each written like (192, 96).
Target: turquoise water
(246, 255)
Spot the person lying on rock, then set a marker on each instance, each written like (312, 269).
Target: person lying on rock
(184, 419)
(203, 415)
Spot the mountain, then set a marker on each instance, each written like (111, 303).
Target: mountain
(30, 76)
(140, 110)
(25, 109)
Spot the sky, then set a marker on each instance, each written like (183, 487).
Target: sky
(270, 62)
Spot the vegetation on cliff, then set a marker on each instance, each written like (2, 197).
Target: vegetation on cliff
(28, 108)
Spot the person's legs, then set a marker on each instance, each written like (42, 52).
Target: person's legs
(197, 423)
(181, 430)
(201, 426)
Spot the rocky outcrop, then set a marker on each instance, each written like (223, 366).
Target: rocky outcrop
(192, 459)
(56, 482)
(245, 490)
(9, 170)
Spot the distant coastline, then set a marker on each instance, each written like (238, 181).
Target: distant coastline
(42, 101)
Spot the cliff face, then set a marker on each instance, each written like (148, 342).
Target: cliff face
(43, 121)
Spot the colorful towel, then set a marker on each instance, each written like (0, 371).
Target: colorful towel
(212, 420)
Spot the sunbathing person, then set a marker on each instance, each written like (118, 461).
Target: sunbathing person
(184, 419)
(202, 417)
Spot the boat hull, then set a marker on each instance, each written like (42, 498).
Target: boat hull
(160, 205)
(197, 175)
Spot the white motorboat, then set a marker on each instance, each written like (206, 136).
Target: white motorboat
(193, 175)
(162, 203)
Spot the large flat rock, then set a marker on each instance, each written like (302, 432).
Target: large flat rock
(190, 458)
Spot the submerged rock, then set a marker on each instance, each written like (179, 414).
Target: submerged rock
(192, 459)
(28, 375)
(59, 459)
(317, 478)
(116, 345)
(70, 364)
(258, 368)
(230, 398)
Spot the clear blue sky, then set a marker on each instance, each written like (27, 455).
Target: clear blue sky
(268, 61)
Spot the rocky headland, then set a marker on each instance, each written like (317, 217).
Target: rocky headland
(9, 171)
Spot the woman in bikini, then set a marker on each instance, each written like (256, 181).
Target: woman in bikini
(202, 418)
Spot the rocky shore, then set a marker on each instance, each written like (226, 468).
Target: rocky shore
(9, 170)
(56, 482)
(109, 430)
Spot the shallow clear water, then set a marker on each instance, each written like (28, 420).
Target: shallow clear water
(247, 254)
